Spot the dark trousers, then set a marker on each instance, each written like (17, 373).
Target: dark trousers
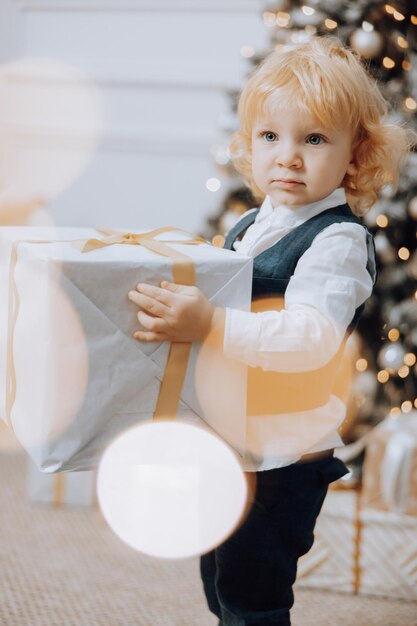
(248, 579)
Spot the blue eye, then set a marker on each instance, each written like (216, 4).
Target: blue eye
(269, 136)
(315, 140)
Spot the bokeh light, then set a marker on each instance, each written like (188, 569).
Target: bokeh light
(220, 384)
(50, 124)
(247, 52)
(404, 253)
(271, 396)
(383, 376)
(51, 360)
(410, 359)
(213, 184)
(410, 104)
(403, 371)
(171, 489)
(361, 365)
(394, 334)
(382, 221)
(388, 62)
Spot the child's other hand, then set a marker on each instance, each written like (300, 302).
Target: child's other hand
(173, 312)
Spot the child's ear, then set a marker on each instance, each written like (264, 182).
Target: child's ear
(352, 168)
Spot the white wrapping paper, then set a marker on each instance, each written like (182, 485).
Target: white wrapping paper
(80, 376)
(69, 489)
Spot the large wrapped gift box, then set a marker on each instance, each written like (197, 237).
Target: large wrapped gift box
(362, 551)
(390, 467)
(71, 374)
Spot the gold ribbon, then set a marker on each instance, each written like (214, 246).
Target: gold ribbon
(58, 489)
(13, 307)
(357, 542)
(183, 273)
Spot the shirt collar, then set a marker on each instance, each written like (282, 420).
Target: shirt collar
(284, 214)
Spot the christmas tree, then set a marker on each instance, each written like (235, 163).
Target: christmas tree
(385, 36)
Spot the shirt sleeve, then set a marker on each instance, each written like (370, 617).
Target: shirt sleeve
(330, 281)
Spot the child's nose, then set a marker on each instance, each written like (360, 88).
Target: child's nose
(288, 156)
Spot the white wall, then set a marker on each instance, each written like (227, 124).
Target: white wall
(163, 68)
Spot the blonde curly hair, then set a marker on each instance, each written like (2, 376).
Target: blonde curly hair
(329, 82)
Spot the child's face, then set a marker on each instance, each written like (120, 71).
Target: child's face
(295, 160)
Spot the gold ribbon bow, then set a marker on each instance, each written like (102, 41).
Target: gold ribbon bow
(183, 266)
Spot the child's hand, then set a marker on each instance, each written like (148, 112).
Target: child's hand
(173, 312)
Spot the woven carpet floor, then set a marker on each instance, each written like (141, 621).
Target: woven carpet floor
(64, 567)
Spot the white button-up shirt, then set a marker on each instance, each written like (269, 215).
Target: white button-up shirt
(329, 282)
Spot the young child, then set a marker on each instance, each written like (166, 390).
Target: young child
(313, 131)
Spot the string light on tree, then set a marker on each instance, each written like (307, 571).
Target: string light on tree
(305, 16)
(308, 10)
(395, 14)
(283, 19)
(404, 253)
(394, 334)
(410, 104)
(383, 376)
(382, 221)
(410, 359)
(388, 63)
(402, 42)
(404, 371)
(247, 52)
(361, 365)
(269, 19)
(395, 411)
(330, 24)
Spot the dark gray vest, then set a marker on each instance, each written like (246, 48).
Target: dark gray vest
(273, 268)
